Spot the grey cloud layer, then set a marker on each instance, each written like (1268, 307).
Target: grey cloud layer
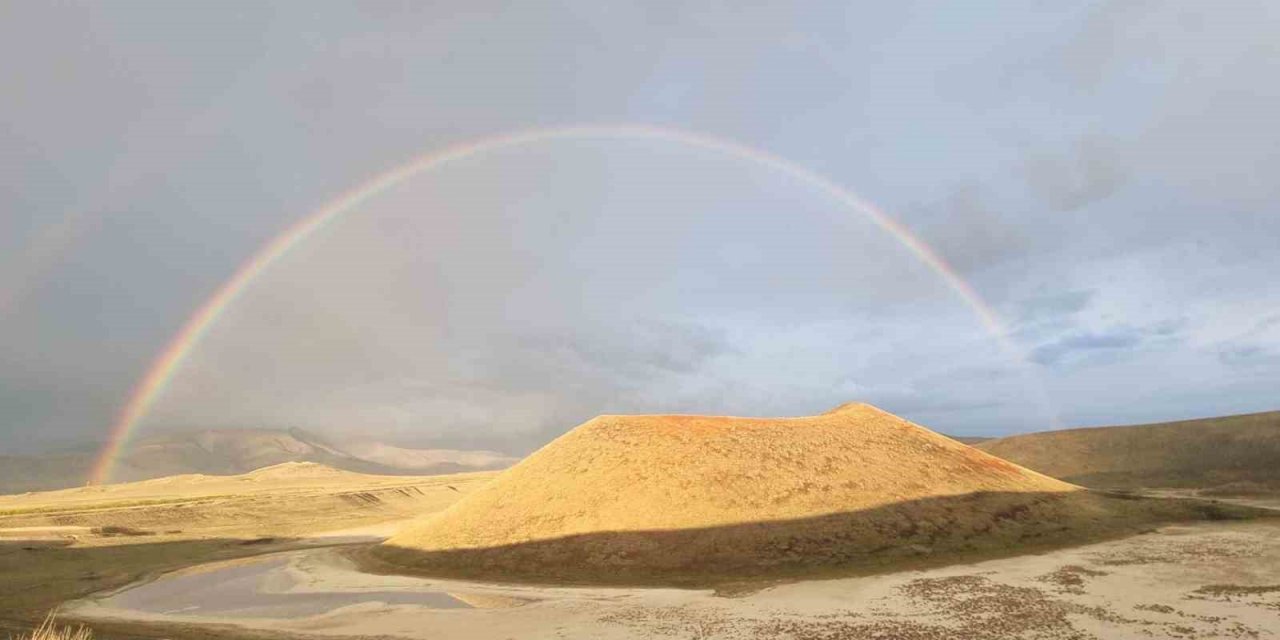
(1102, 175)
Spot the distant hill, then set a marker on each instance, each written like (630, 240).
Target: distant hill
(1229, 454)
(235, 451)
(19, 474)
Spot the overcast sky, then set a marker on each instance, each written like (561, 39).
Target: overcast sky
(1105, 175)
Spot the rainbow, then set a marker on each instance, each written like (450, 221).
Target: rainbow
(161, 371)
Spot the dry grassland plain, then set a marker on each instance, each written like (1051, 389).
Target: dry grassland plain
(851, 524)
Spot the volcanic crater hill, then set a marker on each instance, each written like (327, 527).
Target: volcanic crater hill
(691, 499)
(1227, 455)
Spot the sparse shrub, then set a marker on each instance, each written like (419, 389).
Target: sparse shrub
(112, 530)
(50, 630)
(1216, 511)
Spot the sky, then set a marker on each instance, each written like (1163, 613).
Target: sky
(1105, 176)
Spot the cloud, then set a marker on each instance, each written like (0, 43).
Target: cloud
(1091, 346)
(968, 232)
(1202, 122)
(510, 295)
(1091, 170)
(912, 400)
(1256, 349)
(643, 349)
(1054, 307)
(1098, 47)
(1251, 356)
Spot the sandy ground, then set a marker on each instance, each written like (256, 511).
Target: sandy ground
(1210, 580)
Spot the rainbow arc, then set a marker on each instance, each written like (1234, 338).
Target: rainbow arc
(163, 368)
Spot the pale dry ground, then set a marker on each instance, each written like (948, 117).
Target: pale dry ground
(61, 545)
(1206, 580)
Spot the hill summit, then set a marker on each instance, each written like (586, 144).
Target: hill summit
(622, 497)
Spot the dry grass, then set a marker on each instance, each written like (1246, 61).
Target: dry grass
(50, 630)
(1239, 455)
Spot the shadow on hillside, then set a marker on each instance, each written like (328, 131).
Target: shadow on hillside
(908, 534)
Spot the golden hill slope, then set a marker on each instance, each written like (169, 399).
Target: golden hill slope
(1234, 451)
(643, 498)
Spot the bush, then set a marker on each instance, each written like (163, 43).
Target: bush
(112, 530)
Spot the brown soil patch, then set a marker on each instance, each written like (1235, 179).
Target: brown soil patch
(1071, 578)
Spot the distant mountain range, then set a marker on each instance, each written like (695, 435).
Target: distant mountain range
(235, 451)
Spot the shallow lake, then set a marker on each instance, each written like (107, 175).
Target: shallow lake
(264, 587)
